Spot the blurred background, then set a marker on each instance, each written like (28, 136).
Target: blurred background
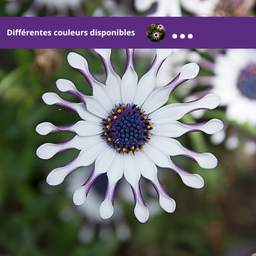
(37, 219)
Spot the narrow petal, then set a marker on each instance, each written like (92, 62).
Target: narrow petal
(148, 82)
(176, 129)
(160, 96)
(48, 150)
(113, 81)
(163, 160)
(173, 148)
(99, 90)
(132, 175)
(176, 111)
(129, 80)
(102, 164)
(114, 174)
(85, 158)
(82, 128)
(67, 86)
(51, 98)
(149, 170)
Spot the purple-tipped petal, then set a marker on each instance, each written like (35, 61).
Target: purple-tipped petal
(176, 129)
(48, 150)
(132, 175)
(161, 159)
(51, 98)
(149, 171)
(176, 111)
(85, 158)
(102, 164)
(173, 148)
(160, 96)
(114, 174)
(65, 85)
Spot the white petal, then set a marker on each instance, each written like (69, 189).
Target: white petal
(162, 160)
(113, 81)
(176, 129)
(65, 85)
(129, 80)
(132, 175)
(48, 150)
(160, 96)
(176, 111)
(148, 82)
(114, 174)
(82, 128)
(174, 148)
(85, 158)
(149, 171)
(102, 164)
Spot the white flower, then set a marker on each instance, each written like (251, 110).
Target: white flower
(234, 81)
(126, 130)
(52, 6)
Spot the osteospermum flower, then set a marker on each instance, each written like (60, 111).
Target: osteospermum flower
(156, 35)
(60, 7)
(234, 78)
(127, 131)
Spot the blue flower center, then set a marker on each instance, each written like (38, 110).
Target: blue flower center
(127, 128)
(247, 81)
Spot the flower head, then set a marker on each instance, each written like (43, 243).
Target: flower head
(234, 80)
(126, 130)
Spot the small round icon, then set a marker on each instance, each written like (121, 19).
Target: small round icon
(156, 32)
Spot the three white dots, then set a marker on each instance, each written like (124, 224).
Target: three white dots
(182, 36)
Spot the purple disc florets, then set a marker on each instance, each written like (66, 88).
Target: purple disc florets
(247, 81)
(127, 128)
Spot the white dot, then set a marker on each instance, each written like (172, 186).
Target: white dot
(190, 36)
(182, 36)
(174, 36)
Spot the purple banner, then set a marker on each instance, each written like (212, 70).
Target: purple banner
(127, 32)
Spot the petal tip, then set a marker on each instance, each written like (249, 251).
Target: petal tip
(189, 71)
(79, 196)
(106, 209)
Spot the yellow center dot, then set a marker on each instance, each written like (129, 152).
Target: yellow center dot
(109, 119)
(142, 111)
(147, 141)
(148, 127)
(145, 117)
(150, 123)
(113, 112)
(149, 134)
(105, 133)
(123, 106)
(132, 147)
(124, 149)
(142, 147)
(107, 126)
(119, 110)
(118, 149)
(137, 149)
(115, 117)
(130, 152)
